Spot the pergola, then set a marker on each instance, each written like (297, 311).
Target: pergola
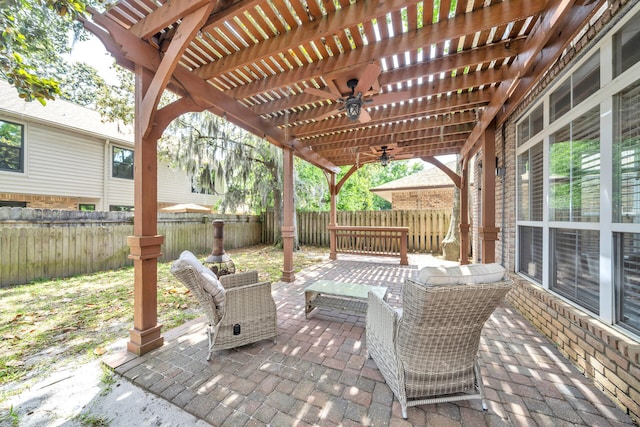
(335, 83)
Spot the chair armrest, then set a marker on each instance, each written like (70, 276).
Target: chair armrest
(251, 299)
(239, 279)
(382, 321)
(382, 326)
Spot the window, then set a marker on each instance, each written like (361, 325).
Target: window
(575, 266)
(627, 279)
(578, 182)
(625, 46)
(574, 170)
(12, 204)
(11, 147)
(530, 252)
(530, 184)
(86, 207)
(582, 83)
(120, 208)
(626, 155)
(586, 79)
(122, 166)
(530, 125)
(560, 100)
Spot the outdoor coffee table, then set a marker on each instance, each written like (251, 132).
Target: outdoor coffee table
(349, 297)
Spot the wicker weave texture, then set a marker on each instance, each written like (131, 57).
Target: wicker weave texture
(431, 350)
(248, 303)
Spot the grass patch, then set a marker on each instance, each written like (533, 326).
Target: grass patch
(49, 322)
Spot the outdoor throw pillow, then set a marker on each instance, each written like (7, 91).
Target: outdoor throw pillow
(210, 282)
(438, 276)
(462, 274)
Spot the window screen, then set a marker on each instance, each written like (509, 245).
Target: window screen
(11, 146)
(122, 163)
(626, 155)
(530, 252)
(575, 266)
(627, 279)
(530, 184)
(574, 169)
(625, 46)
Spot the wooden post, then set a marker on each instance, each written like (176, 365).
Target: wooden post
(404, 259)
(488, 230)
(145, 244)
(288, 229)
(464, 213)
(333, 214)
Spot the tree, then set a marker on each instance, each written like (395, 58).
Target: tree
(34, 33)
(212, 149)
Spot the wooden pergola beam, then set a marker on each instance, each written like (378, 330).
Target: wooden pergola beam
(162, 17)
(553, 19)
(188, 27)
(553, 49)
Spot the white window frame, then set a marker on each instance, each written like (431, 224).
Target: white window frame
(604, 97)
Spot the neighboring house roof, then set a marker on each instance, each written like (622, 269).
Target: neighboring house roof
(430, 177)
(62, 114)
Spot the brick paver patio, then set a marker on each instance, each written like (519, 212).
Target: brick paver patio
(318, 372)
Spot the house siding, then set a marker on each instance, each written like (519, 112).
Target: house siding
(67, 160)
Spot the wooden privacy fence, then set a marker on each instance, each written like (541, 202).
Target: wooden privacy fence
(43, 243)
(427, 229)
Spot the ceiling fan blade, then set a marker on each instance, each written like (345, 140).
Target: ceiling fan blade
(329, 114)
(390, 98)
(364, 116)
(319, 92)
(333, 88)
(368, 78)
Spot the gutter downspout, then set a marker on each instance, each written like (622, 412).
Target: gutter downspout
(504, 190)
(105, 175)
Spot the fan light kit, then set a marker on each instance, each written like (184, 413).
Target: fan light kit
(353, 104)
(384, 158)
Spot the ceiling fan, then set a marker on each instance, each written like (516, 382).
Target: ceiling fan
(363, 90)
(385, 153)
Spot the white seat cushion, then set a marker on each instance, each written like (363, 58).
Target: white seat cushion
(462, 274)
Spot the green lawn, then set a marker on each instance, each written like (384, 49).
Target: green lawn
(48, 323)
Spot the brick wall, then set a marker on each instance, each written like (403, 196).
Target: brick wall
(609, 358)
(433, 198)
(42, 202)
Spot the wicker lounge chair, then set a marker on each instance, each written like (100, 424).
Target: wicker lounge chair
(239, 310)
(427, 352)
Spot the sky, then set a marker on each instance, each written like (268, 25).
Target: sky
(93, 53)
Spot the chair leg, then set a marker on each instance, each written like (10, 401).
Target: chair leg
(210, 339)
(480, 385)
